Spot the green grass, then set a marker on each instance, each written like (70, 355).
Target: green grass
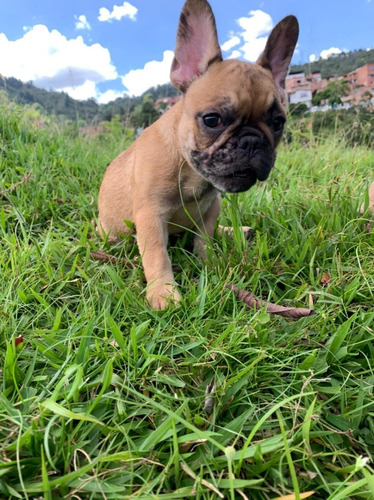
(104, 398)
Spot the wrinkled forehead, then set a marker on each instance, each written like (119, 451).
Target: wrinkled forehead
(248, 89)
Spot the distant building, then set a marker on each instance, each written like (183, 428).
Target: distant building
(301, 88)
(361, 84)
(298, 89)
(302, 96)
(361, 76)
(164, 103)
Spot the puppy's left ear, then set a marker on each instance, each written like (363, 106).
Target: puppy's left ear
(197, 44)
(279, 51)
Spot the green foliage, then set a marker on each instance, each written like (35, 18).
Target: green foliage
(332, 94)
(297, 109)
(145, 114)
(59, 104)
(354, 126)
(103, 398)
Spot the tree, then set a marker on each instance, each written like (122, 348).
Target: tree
(297, 109)
(145, 114)
(366, 98)
(333, 93)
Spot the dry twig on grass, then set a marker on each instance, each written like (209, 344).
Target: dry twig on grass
(106, 257)
(256, 303)
(11, 188)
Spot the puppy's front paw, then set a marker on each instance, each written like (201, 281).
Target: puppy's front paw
(160, 297)
(199, 247)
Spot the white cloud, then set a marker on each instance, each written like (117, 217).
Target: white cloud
(252, 50)
(118, 12)
(325, 54)
(235, 54)
(81, 23)
(82, 92)
(252, 35)
(108, 96)
(154, 73)
(256, 25)
(51, 61)
(232, 42)
(256, 28)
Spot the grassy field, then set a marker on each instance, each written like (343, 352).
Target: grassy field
(102, 398)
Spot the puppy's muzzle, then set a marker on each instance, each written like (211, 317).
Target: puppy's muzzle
(250, 144)
(245, 158)
(255, 153)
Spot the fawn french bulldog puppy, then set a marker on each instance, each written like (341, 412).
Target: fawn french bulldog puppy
(221, 136)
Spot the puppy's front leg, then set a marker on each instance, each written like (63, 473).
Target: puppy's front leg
(152, 237)
(207, 225)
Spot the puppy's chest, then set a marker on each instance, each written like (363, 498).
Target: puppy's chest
(190, 207)
(195, 193)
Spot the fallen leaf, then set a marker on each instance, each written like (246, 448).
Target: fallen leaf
(326, 279)
(18, 340)
(190, 473)
(60, 201)
(256, 303)
(311, 303)
(188, 445)
(209, 400)
(293, 496)
(309, 474)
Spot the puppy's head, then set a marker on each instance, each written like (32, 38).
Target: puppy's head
(233, 111)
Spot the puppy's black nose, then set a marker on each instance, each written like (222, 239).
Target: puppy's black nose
(250, 143)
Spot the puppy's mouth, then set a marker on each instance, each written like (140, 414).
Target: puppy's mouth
(243, 174)
(237, 181)
(237, 165)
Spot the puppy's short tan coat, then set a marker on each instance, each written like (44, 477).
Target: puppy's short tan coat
(221, 136)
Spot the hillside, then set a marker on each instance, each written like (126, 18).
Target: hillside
(90, 112)
(64, 106)
(337, 65)
(58, 103)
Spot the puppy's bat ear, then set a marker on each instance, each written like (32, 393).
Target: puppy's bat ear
(197, 44)
(279, 50)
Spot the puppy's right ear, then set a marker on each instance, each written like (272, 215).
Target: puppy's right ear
(197, 44)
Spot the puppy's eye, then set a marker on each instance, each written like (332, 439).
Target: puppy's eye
(278, 123)
(212, 120)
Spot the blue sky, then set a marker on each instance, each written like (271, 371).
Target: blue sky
(104, 48)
